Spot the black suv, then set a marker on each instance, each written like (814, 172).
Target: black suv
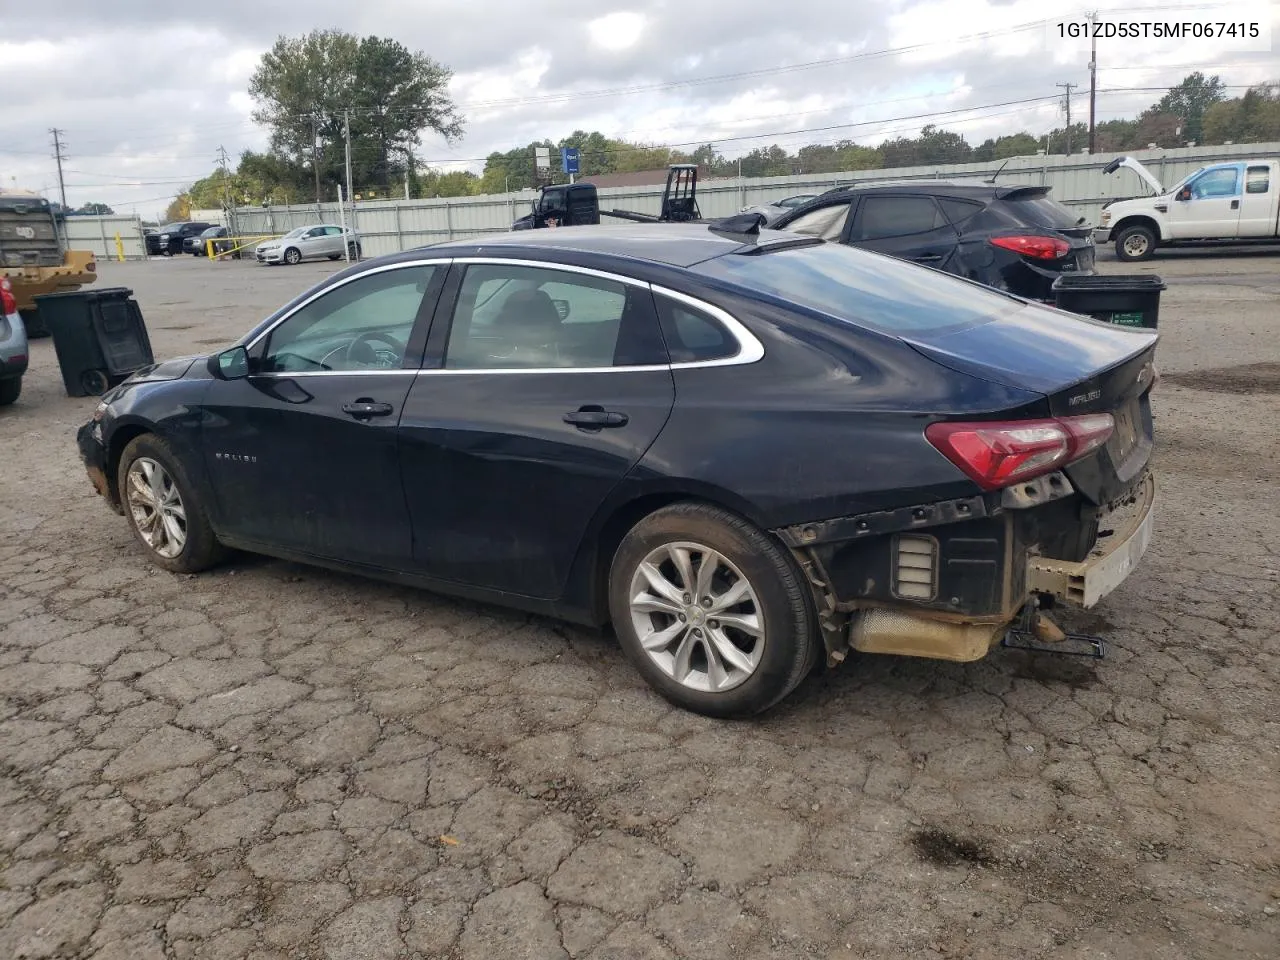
(1013, 238)
(169, 239)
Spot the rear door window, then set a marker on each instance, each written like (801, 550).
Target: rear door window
(883, 217)
(1039, 210)
(1257, 180)
(692, 335)
(958, 211)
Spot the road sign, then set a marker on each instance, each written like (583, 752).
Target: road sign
(569, 159)
(542, 157)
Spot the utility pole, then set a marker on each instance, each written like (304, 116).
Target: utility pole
(1093, 79)
(227, 205)
(1068, 87)
(346, 135)
(58, 155)
(315, 155)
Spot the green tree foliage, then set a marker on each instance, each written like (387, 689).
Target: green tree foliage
(307, 87)
(932, 146)
(1253, 117)
(1188, 102)
(95, 210)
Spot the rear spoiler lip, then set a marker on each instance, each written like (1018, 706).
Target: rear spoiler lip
(1021, 192)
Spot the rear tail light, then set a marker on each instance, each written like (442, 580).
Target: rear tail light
(8, 304)
(1001, 453)
(1038, 248)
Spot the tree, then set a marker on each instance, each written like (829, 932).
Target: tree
(179, 208)
(96, 210)
(1158, 128)
(932, 146)
(1253, 117)
(1189, 100)
(307, 87)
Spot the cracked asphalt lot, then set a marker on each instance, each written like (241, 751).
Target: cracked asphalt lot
(271, 761)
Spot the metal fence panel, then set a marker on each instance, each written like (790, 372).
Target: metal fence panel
(98, 234)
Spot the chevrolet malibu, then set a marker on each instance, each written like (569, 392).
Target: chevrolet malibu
(747, 452)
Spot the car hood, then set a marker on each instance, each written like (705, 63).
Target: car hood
(1145, 175)
(1036, 348)
(174, 369)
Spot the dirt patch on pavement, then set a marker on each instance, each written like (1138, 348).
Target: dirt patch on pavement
(1249, 378)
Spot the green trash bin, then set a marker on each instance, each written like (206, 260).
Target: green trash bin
(1129, 300)
(98, 335)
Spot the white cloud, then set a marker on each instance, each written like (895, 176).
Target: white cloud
(617, 31)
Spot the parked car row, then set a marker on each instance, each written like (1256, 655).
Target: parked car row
(319, 241)
(749, 452)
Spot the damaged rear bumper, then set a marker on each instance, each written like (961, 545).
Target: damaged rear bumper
(946, 580)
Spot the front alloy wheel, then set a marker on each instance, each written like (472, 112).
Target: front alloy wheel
(697, 617)
(156, 505)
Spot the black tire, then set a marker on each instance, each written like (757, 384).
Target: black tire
(201, 549)
(789, 633)
(335, 256)
(1135, 243)
(167, 251)
(293, 256)
(33, 323)
(10, 390)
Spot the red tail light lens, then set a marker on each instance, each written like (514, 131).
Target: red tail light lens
(8, 304)
(1038, 248)
(1001, 453)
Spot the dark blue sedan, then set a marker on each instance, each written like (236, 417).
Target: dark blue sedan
(748, 452)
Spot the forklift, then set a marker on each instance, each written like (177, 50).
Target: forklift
(575, 204)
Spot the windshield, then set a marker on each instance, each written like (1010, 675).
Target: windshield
(865, 288)
(171, 228)
(211, 232)
(296, 232)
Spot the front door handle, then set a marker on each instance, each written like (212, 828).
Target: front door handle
(593, 417)
(928, 258)
(1235, 204)
(366, 409)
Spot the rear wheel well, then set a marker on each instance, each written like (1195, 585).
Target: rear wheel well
(618, 525)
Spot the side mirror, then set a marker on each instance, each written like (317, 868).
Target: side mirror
(1184, 194)
(232, 364)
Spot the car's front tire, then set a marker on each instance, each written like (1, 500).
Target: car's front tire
(10, 390)
(163, 508)
(1135, 243)
(713, 613)
(293, 256)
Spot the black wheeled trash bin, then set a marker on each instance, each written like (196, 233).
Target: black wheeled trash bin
(99, 337)
(1130, 300)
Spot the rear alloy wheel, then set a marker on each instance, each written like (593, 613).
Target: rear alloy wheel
(1135, 243)
(293, 256)
(162, 508)
(712, 612)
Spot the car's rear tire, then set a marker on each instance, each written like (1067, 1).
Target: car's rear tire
(293, 256)
(335, 256)
(1135, 243)
(163, 508)
(713, 613)
(10, 391)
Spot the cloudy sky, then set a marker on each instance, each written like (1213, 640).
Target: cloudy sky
(147, 90)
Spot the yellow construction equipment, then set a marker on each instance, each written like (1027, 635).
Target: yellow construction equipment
(32, 257)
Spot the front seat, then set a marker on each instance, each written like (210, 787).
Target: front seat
(530, 322)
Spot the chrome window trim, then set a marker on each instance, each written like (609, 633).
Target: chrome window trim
(750, 349)
(402, 265)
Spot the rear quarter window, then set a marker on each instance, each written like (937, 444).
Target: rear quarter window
(864, 288)
(1038, 211)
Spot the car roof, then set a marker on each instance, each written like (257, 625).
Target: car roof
(959, 188)
(671, 244)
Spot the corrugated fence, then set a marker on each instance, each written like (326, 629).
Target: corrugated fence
(388, 226)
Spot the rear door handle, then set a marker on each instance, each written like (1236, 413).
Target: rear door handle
(595, 418)
(366, 409)
(928, 258)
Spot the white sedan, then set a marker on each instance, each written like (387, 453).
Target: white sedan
(309, 243)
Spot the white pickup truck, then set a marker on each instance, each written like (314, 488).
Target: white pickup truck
(1237, 201)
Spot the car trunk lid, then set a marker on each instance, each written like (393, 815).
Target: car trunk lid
(1079, 366)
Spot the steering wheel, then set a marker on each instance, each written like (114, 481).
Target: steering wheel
(361, 352)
